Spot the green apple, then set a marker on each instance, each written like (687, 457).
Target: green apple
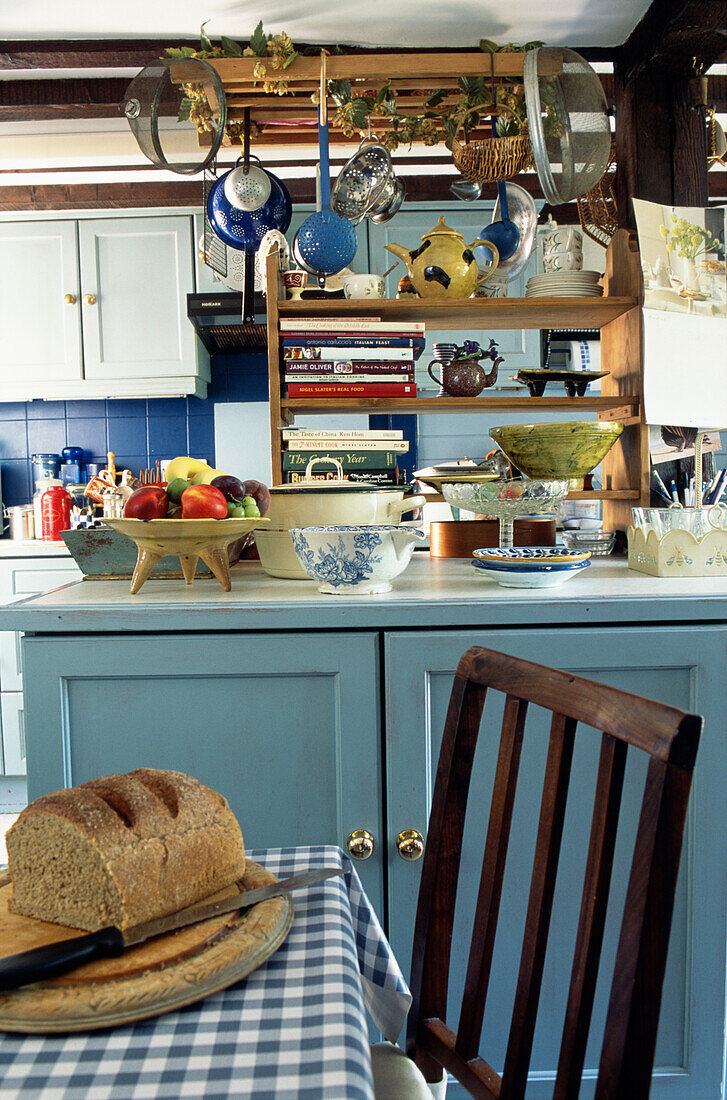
(176, 488)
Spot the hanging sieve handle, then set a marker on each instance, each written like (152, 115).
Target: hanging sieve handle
(323, 158)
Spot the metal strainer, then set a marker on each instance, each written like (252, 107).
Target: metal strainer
(362, 180)
(325, 242)
(247, 188)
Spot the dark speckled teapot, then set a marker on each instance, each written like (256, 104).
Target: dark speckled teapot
(444, 266)
(463, 376)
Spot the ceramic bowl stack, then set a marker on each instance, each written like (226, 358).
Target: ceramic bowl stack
(564, 284)
(529, 566)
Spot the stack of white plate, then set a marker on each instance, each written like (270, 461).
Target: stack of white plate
(564, 284)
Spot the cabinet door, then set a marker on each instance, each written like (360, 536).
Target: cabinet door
(41, 332)
(13, 727)
(519, 347)
(20, 578)
(680, 666)
(135, 277)
(285, 726)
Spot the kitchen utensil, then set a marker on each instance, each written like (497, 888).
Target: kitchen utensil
(389, 203)
(188, 539)
(549, 576)
(43, 963)
(362, 180)
(504, 500)
(598, 543)
(560, 449)
(247, 186)
(245, 229)
(55, 512)
(157, 108)
(325, 242)
(363, 286)
(575, 381)
(443, 266)
(355, 560)
(568, 121)
(523, 213)
(466, 471)
(21, 521)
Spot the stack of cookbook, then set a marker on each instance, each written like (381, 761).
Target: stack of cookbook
(350, 357)
(366, 455)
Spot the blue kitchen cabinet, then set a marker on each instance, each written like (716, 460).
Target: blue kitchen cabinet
(286, 726)
(681, 666)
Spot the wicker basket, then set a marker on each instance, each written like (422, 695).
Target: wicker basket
(597, 210)
(492, 159)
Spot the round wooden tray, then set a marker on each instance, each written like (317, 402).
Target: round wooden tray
(159, 976)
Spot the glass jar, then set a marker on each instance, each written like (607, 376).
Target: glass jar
(45, 466)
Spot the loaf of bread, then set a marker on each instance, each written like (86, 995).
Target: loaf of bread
(122, 850)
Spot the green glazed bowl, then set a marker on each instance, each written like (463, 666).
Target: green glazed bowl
(561, 450)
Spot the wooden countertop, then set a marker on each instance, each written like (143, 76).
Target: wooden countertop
(431, 593)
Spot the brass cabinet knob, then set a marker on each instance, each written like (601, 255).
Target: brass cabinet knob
(360, 844)
(89, 299)
(410, 845)
(69, 299)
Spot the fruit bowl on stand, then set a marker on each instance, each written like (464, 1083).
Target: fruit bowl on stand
(504, 500)
(187, 539)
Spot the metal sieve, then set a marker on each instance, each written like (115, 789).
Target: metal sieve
(247, 188)
(362, 180)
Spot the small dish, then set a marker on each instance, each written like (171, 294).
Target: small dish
(547, 576)
(528, 556)
(598, 543)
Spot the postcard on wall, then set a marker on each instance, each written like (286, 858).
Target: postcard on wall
(683, 258)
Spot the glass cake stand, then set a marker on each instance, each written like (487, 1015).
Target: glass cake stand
(504, 500)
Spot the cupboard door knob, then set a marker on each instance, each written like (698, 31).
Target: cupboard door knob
(360, 844)
(410, 845)
(89, 299)
(69, 299)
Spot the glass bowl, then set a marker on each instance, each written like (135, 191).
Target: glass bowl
(600, 543)
(504, 500)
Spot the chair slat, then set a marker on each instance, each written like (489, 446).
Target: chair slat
(477, 1076)
(594, 905)
(633, 1012)
(438, 887)
(540, 903)
(493, 870)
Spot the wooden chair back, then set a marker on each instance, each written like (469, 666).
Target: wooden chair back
(670, 738)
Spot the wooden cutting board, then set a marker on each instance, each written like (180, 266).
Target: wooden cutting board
(156, 977)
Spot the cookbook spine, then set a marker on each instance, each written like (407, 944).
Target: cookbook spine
(327, 434)
(401, 446)
(352, 389)
(351, 340)
(349, 459)
(371, 477)
(350, 377)
(347, 324)
(336, 367)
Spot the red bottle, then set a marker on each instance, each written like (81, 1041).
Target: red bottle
(55, 510)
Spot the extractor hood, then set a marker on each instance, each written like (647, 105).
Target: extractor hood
(219, 323)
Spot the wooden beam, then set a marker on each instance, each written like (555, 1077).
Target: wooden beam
(671, 34)
(87, 53)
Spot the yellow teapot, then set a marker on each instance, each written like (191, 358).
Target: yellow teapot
(444, 266)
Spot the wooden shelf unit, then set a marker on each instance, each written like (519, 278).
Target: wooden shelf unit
(626, 468)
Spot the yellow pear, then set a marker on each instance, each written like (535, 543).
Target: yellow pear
(185, 467)
(207, 475)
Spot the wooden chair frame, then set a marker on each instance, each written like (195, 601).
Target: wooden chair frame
(670, 737)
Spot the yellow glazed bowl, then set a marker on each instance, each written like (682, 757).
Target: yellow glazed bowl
(558, 450)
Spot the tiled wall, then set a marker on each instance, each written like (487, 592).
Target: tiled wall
(138, 431)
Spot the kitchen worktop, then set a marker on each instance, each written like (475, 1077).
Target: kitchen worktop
(431, 593)
(32, 548)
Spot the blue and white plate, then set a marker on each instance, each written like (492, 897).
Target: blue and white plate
(528, 556)
(541, 576)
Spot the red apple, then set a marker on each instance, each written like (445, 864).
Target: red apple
(203, 502)
(149, 502)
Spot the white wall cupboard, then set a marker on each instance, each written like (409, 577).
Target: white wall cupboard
(97, 307)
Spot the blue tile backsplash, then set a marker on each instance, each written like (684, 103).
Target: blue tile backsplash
(137, 431)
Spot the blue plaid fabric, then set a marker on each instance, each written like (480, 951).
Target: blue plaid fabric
(294, 1029)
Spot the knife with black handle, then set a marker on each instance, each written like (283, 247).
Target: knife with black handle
(41, 963)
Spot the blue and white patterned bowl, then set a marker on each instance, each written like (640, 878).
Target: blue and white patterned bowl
(526, 557)
(354, 559)
(540, 576)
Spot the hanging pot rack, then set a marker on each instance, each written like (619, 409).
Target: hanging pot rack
(291, 119)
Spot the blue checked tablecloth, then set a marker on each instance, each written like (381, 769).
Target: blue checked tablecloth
(294, 1029)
